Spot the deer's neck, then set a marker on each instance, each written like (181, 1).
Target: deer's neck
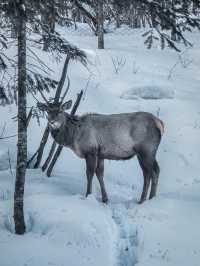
(65, 135)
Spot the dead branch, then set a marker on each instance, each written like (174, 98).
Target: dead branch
(59, 149)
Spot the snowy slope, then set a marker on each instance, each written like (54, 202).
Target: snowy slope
(67, 229)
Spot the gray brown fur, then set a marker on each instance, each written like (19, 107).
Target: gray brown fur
(96, 137)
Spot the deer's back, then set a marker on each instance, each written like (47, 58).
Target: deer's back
(116, 136)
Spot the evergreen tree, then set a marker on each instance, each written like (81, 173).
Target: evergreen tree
(16, 15)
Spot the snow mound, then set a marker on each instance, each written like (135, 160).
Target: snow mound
(149, 93)
(10, 226)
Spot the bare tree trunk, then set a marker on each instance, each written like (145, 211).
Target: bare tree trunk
(62, 79)
(20, 227)
(100, 20)
(195, 6)
(45, 136)
(87, 14)
(131, 17)
(41, 147)
(54, 160)
(45, 165)
(118, 22)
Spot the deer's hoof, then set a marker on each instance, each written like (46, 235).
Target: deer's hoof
(141, 201)
(105, 200)
(152, 196)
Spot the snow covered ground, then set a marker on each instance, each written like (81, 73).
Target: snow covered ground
(63, 227)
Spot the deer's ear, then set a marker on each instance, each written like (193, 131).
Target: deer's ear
(66, 105)
(42, 106)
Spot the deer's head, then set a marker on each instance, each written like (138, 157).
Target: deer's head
(55, 110)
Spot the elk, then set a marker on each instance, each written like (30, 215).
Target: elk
(96, 137)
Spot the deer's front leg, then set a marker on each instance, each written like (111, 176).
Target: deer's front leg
(100, 173)
(91, 163)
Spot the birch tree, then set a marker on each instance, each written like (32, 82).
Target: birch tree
(20, 227)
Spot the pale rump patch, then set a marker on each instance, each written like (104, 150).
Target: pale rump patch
(160, 126)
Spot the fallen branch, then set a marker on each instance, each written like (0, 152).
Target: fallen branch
(8, 137)
(9, 161)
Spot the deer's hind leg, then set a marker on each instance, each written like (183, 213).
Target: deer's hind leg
(100, 174)
(155, 176)
(146, 163)
(91, 164)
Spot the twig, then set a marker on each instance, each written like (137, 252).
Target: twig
(8, 137)
(10, 167)
(28, 119)
(78, 100)
(86, 86)
(179, 60)
(37, 68)
(40, 61)
(3, 130)
(118, 63)
(34, 96)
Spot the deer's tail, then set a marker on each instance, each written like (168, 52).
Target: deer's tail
(160, 125)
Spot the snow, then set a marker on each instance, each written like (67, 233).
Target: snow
(148, 92)
(62, 228)
(65, 228)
